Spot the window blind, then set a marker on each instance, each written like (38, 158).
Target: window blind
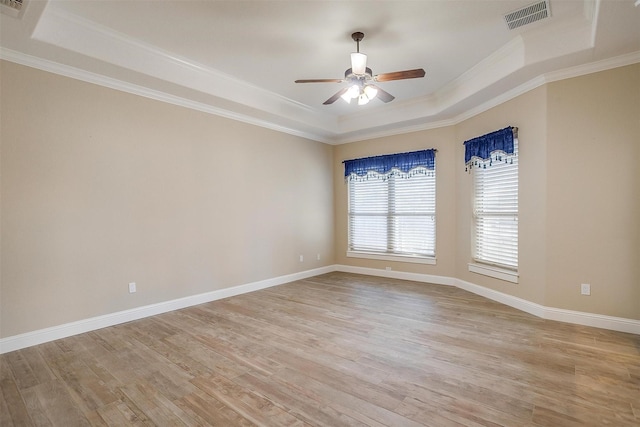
(496, 213)
(393, 214)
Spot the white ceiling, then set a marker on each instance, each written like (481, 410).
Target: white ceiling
(239, 59)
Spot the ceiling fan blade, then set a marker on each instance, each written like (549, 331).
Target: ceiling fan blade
(400, 75)
(320, 81)
(335, 97)
(383, 95)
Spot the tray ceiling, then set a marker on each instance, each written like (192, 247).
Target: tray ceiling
(239, 59)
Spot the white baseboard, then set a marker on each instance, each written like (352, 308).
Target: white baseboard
(620, 324)
(29, 339)
(506, 299)
(416, 277)
(551, 313)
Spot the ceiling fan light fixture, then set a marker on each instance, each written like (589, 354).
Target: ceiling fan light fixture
(359, 77)
(358, 63)
(370, 91)
(352, 93)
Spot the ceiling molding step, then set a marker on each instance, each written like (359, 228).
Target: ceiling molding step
(592, 13)
(506, 96)
(302, 131)
(501, 99)
(510, 58)
(497, 66)
(93, 40)
(593, 67)
(364, 136)
(543, 44)
(398, 112)
(111, 83)
(501, 63)
(604, 65)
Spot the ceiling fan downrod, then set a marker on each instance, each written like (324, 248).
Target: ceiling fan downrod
(358, 60)
(357, 37)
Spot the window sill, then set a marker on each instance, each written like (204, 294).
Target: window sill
(495, 272)
(395, 257)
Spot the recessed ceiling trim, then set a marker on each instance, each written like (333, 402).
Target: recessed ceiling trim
(581, 70)
(85, 37)
(500, 64)
(199, 87)
(111, 83)
(327, 138)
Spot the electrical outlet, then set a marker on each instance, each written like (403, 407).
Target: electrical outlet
(318, 257)
(388, 268)
(585, 289)
(301, 258)
(132, 288)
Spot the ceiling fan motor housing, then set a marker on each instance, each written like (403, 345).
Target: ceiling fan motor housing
(349, 75)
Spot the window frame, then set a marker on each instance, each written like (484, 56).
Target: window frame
(484, 266)
(390, 255)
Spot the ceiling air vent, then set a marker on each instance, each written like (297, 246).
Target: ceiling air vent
(527, 15)
(12, 7)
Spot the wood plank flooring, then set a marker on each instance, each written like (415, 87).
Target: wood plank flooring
(334, 350)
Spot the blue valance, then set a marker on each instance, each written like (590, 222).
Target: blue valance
(386, 164)
(499, 144)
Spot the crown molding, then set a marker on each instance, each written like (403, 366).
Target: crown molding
(100, 80)
(303, 130)
(399, 130)
(177, 80)
(66, 30)
(500, 64)
(503, 62)
(90, 39)
(593, 67)
(568, 73)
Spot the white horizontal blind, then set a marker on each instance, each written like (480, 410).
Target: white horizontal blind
(393, 214)
(496, 213)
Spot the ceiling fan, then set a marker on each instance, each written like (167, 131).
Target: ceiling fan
(361, 79)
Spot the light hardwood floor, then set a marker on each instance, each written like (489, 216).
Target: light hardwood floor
(337, 349)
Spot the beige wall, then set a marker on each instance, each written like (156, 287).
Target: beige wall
(528, 113)
(440, 139)
(593, 186)
(579, 205)
(453, 194)
(101, 188)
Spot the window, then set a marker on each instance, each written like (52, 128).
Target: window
(393, 214)
(495, 211)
